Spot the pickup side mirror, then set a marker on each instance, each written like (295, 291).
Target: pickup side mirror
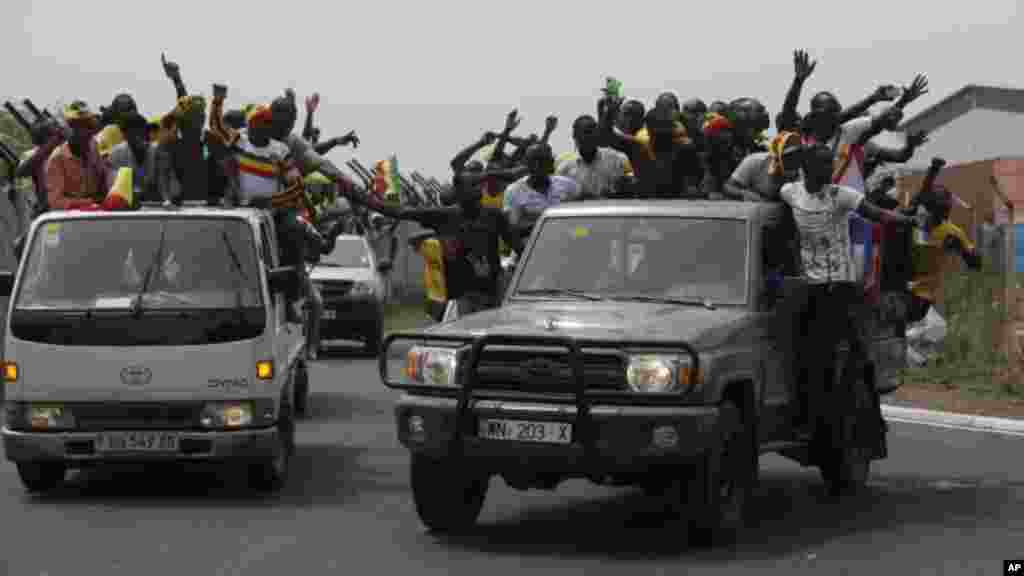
(384, 266)
(283, 279)
(6, 283)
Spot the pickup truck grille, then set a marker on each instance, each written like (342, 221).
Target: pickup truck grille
(334, 288)
(131, 416)
(535, 371)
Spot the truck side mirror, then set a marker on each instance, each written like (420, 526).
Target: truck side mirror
(6, 283)
(384, 266)
(283, 279)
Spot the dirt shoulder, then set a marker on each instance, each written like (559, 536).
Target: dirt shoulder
(962, 400)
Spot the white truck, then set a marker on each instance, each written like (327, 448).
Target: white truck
(152, 335)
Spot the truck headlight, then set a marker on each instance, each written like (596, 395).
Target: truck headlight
(431, 366)
(50, 417)
(226, 415)
(661, 374)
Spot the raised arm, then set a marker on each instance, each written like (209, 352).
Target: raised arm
(926, 185)
(789, 119)
(550, 125)
(458, 163)
(173, 71)
(325, 147)
(312, 103)
(511, 123)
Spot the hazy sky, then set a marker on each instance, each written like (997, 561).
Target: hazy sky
(423, 79)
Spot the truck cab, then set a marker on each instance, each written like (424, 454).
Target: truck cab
(151, 335)
(638, 343)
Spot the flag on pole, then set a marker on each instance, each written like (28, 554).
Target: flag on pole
(386, 183)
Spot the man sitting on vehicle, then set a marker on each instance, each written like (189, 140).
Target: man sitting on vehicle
(830, 309)
(527, 198)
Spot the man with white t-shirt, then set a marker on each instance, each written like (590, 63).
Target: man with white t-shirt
(829, 312)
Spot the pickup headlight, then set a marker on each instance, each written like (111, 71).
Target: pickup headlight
(661, 374)
(431, 366)
(227, 415)
(50, 417)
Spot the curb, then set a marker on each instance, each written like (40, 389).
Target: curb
(1004, 426)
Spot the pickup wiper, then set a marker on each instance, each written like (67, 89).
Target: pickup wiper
(560, 292)
(136, 308)
(666, 300)
(237, 265)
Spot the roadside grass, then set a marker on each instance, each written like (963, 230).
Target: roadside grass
(970, 362)
(404, 314)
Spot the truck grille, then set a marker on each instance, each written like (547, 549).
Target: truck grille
(137, 416)
(334, 289)
(539, 371)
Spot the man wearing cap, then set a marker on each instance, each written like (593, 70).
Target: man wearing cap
(76, 175)
(138, 155)
(113, 118)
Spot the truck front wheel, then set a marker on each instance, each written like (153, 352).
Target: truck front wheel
(448, 496)
(41, 476)
(724, 482)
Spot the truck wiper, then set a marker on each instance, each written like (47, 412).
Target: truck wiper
(136, 308)
(706, 303)
(560, 292)
(237, 264)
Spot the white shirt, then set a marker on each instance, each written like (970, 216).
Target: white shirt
(520, 196)
(596, 179)
(823, 222)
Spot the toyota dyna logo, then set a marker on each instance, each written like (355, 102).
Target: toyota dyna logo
(136, 375)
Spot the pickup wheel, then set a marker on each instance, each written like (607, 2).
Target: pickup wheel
(725, 476)
(448, 496)
(301, 387)
(271, 475)
(41, 476)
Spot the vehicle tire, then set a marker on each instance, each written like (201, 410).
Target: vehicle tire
(271, 475)
(301, 388)
(41, 476)
(448, 497)
(725, 478)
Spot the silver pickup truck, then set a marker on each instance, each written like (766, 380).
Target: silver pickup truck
(638, 343)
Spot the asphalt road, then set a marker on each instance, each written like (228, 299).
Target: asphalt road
(944, 502)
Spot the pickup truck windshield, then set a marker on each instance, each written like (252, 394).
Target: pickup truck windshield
(100, 264)
(676, 258)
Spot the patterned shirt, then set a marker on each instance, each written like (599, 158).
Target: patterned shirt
(520, 196)
(823, 222)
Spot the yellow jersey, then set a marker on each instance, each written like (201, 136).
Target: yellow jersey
(433, 269)
(108, 138)
(929, 259)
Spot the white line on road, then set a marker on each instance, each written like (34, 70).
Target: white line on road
(966, 422)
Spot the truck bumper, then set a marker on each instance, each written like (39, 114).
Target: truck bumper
(78, 448)
(622, 438)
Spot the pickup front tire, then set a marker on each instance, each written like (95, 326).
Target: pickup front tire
(724, 480)
(41, 476)
(271, 475)
(448, 496)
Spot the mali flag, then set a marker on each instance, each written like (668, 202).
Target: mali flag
(385, 181)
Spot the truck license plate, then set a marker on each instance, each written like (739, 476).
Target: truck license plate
(526, 431)
(137, 442)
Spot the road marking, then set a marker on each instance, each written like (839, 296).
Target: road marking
(953, 421)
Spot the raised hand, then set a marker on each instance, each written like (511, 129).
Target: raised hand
(312, 103)
(917, 88)
(550, 124)
(512, 121)
(489, 138)
(803, 66)
(350, 138)
(171, 69)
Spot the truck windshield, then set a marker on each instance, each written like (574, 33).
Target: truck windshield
(675, 258)
(101, 264)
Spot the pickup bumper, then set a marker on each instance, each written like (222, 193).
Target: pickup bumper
(79, 448)
(623, 439)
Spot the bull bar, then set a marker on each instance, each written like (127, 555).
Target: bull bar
(466, 374)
